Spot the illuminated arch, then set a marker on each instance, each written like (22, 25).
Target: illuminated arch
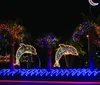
(24, 49)
(64, 50)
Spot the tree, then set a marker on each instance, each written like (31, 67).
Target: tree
(91, 30)
(16, 33)
(49, 41)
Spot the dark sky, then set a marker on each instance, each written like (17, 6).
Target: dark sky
(59, 17)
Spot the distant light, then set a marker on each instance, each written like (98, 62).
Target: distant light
(1, 37)
(96, 52)
(87, 35)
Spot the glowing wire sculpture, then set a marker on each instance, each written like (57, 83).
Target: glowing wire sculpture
(22, 50)
(64, 50)
(93, 3)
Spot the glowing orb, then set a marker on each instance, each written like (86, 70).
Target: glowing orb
(22, 50)
(64, 50)
(92, 3)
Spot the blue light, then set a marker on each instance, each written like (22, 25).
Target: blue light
(1, 37)
(52, 73)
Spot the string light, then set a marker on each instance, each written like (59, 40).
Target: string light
(5, 58)
(24, 49)
(64, 50)
(83, 29)
(47, 41)
(44, 73)
(15, 30)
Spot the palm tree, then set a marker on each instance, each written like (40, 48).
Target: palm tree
(49, 41)
(89, 28)
(16, 33)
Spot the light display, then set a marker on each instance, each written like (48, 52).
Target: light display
(78, 45)
(97, 30)
(15, 30)
(91, 31)
(48, 41)
(53, 74)
(16, 33)
(92, 3)
(24, 49)
(80, 31)
(83, 29)
(64, 50)
(5, 58)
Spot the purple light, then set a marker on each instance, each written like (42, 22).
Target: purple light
(48, 82)
(1, 37)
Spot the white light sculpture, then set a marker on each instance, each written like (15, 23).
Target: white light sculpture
(64, 50)
(22, 50)
(92, 3)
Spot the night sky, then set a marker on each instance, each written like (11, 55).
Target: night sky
(59, 17)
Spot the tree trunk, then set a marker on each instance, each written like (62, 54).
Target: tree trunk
(12, 54)
(49, 62)
(91, 49)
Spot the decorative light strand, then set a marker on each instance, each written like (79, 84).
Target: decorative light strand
(64, 50)
(81, 29)
(52, 73)
(24, 49)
